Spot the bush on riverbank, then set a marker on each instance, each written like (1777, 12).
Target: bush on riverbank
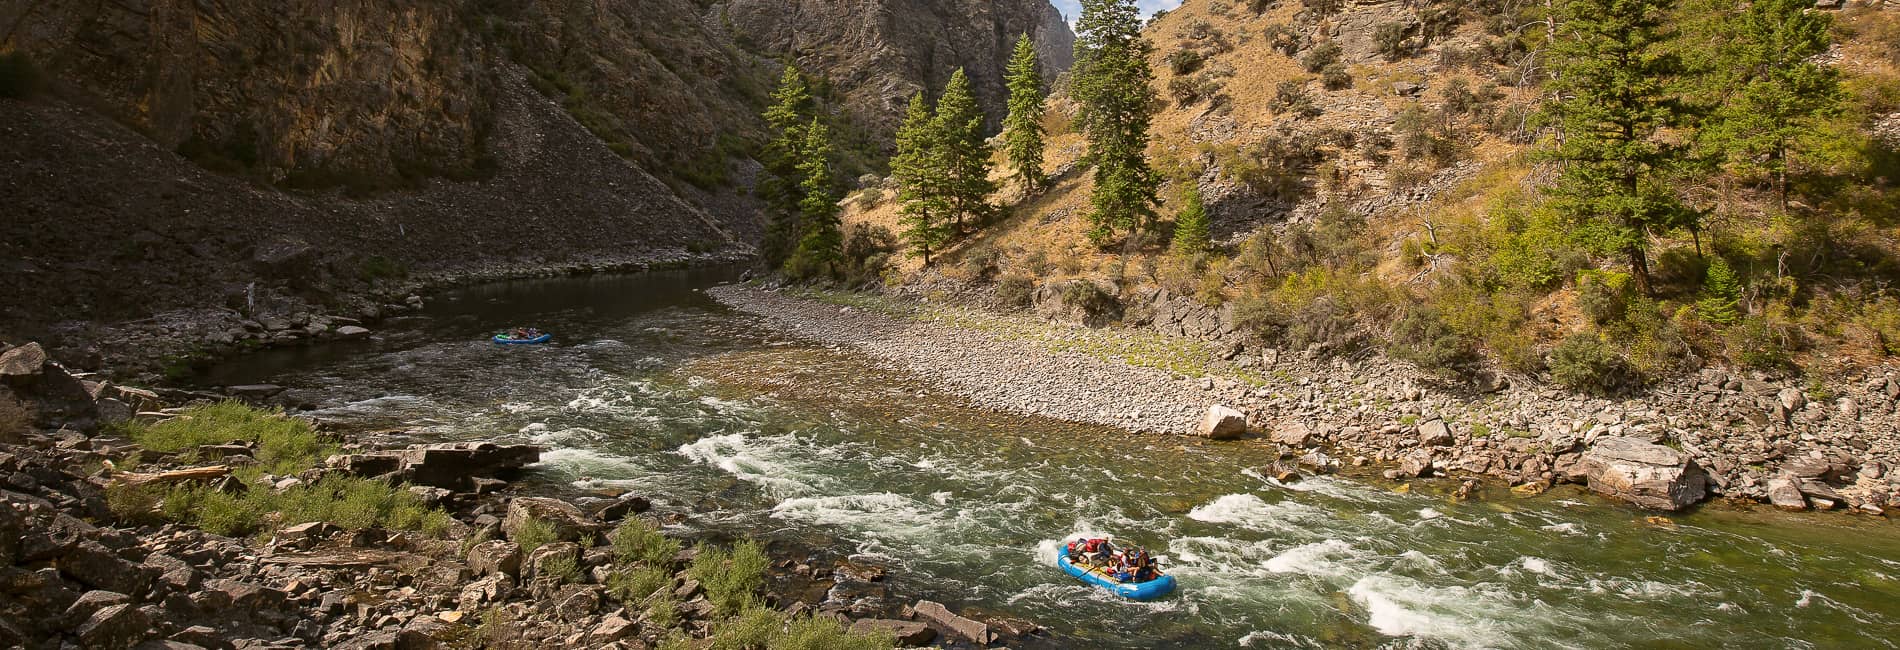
(284, 445)
(731, 578)
(634, 541)
(346, 502)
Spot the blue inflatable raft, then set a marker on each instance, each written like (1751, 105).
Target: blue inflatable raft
(1149, 590)
(504, 340)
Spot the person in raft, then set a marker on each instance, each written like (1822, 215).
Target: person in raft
(1126, 565)
(524, 333)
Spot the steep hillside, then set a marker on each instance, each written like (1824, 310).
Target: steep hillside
(195, 147)
(1372, 174)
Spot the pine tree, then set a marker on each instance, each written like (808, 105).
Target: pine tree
(918, 170)
(1611, 73)
(1190, 224)
(791, 110)
(821, 242)
(1778, 91)
(1115, 86)
(966, 160)
(1721, 295)
(1022, 129)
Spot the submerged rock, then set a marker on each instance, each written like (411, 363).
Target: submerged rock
(1643, 473)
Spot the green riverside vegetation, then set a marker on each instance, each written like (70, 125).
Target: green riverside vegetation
(284, 446)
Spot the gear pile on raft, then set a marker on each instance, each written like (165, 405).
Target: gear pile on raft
(1129, 571)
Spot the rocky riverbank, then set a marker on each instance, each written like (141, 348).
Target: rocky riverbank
(170, 344)
(1715, 434)
(107, 543)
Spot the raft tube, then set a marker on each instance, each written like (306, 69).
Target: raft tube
(533, 341)
(1149, 590)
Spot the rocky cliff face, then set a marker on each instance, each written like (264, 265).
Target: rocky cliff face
(187, 149)
(880, 52)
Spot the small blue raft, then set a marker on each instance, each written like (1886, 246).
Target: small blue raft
(504, 340)
(1149, 590)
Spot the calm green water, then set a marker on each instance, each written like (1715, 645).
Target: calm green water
(652, 386)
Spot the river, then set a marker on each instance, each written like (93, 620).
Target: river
(652, 386)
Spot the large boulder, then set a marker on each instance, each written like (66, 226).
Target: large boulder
(569, 522)
(1293, 433)
(1434, 433)
(22, 364)
(1643, 473)
(1221, 423)
(1784, 493)
(450, 465)
(935, 612)
(495, 556)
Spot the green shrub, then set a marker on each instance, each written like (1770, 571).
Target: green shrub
(634, 541)
(759, 628)
(562, 567)
(1320, 56)
(664, 611)
(1763, 343)
(1185, 61)
(815, 633)
(135, 504)
(634, 585)
(1282, 38)
(347, 502)
(1015, 291)
(1584, 362)
(756, 627)
(534, 533)
(1335, 76)
(731, 578)
(1389, 38)
(1290, 97)
(1423, 338)
(1603, 296)
(19, 77)
(285, 445)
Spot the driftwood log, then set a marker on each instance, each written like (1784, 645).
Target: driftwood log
(174, 476)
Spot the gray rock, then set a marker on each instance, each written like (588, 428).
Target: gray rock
(352, 332)
(1293, 433)
(253, 391)
(1434, 433)
(452, 465)
(113, 628)
(1414, 464)
(1643, 473)
(627, 504)
(1222, 423)
(969, 629)
(613, 628)
(537, 561)
(22, 363)
(96, 566)
(93, 601)
(1792, 399)
(495, 557)
(568, 521)
(1783, 493)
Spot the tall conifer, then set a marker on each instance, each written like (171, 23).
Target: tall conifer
(821, 241)
(1022, 129)
(919, 173)
(1115, 86)
(966, 160)
(1612, 70)
(791, 110)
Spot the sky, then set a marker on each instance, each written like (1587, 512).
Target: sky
(1071, 9)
